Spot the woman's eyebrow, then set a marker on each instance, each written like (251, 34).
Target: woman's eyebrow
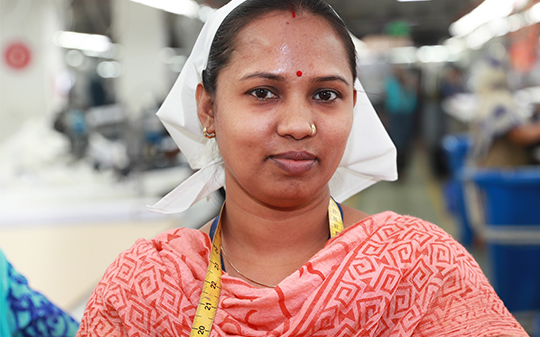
(279, 78)
(330, 78)
(268, 76)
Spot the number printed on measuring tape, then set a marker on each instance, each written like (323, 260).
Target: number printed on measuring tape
(206, 310)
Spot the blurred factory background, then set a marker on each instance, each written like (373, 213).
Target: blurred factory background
(82, 153)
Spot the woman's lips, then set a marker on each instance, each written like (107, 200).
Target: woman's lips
(294, 162)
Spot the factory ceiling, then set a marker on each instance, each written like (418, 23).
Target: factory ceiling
(427, 21)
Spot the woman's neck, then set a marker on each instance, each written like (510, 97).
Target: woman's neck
(269, 243)
(269, 228)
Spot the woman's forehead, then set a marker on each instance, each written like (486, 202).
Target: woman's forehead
(279, 39)
(278, 23)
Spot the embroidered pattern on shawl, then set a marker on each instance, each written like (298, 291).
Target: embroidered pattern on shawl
(385, 276)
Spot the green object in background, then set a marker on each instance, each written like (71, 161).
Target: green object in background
(397, 28)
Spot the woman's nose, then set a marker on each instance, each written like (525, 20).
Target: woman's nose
(295, 120)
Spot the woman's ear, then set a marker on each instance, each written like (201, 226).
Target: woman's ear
(205, 108)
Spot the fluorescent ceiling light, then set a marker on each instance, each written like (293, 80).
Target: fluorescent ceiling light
(87, 42)
(411, 0)
(433, 54)
(490, 19)
(487, 11)
(533, 14)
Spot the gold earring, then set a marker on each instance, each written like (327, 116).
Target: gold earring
(208, 135)
(313, 130)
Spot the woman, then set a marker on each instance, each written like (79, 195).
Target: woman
(277, 97)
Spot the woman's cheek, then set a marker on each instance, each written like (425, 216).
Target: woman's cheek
(342, 130)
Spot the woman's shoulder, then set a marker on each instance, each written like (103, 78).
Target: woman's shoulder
(180, 239)
(352, 216)
(172, 252)
(396, 233)
(414, 245)
(395, 223)
(155, 280)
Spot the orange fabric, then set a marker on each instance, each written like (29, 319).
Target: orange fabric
(388, 275)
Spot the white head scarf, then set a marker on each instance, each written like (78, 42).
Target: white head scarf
(370, 155)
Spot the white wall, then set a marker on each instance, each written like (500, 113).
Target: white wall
(141, 30)
(31, 91)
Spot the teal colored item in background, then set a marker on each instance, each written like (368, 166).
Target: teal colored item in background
(25, 312)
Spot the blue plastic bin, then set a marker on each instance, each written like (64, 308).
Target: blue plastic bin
(456, 148)
(512, 219)
(512, 196)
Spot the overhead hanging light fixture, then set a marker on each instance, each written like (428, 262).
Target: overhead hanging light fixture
(485, 12)
(493, 18)
(86, 42)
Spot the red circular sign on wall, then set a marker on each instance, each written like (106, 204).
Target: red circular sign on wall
(17, 55)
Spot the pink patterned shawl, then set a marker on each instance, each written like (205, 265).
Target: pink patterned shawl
(388, 275)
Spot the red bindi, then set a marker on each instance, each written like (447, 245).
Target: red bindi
(298, 73)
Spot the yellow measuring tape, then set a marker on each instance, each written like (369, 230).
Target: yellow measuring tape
(334, 218)
(207, 307)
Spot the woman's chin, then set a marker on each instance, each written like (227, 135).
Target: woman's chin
(291, 198)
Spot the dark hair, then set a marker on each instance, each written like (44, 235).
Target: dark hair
(224, 42)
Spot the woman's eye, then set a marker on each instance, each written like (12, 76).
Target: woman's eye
(326, 95)
(263, 94)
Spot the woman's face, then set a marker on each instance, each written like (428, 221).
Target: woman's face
(286, 73)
